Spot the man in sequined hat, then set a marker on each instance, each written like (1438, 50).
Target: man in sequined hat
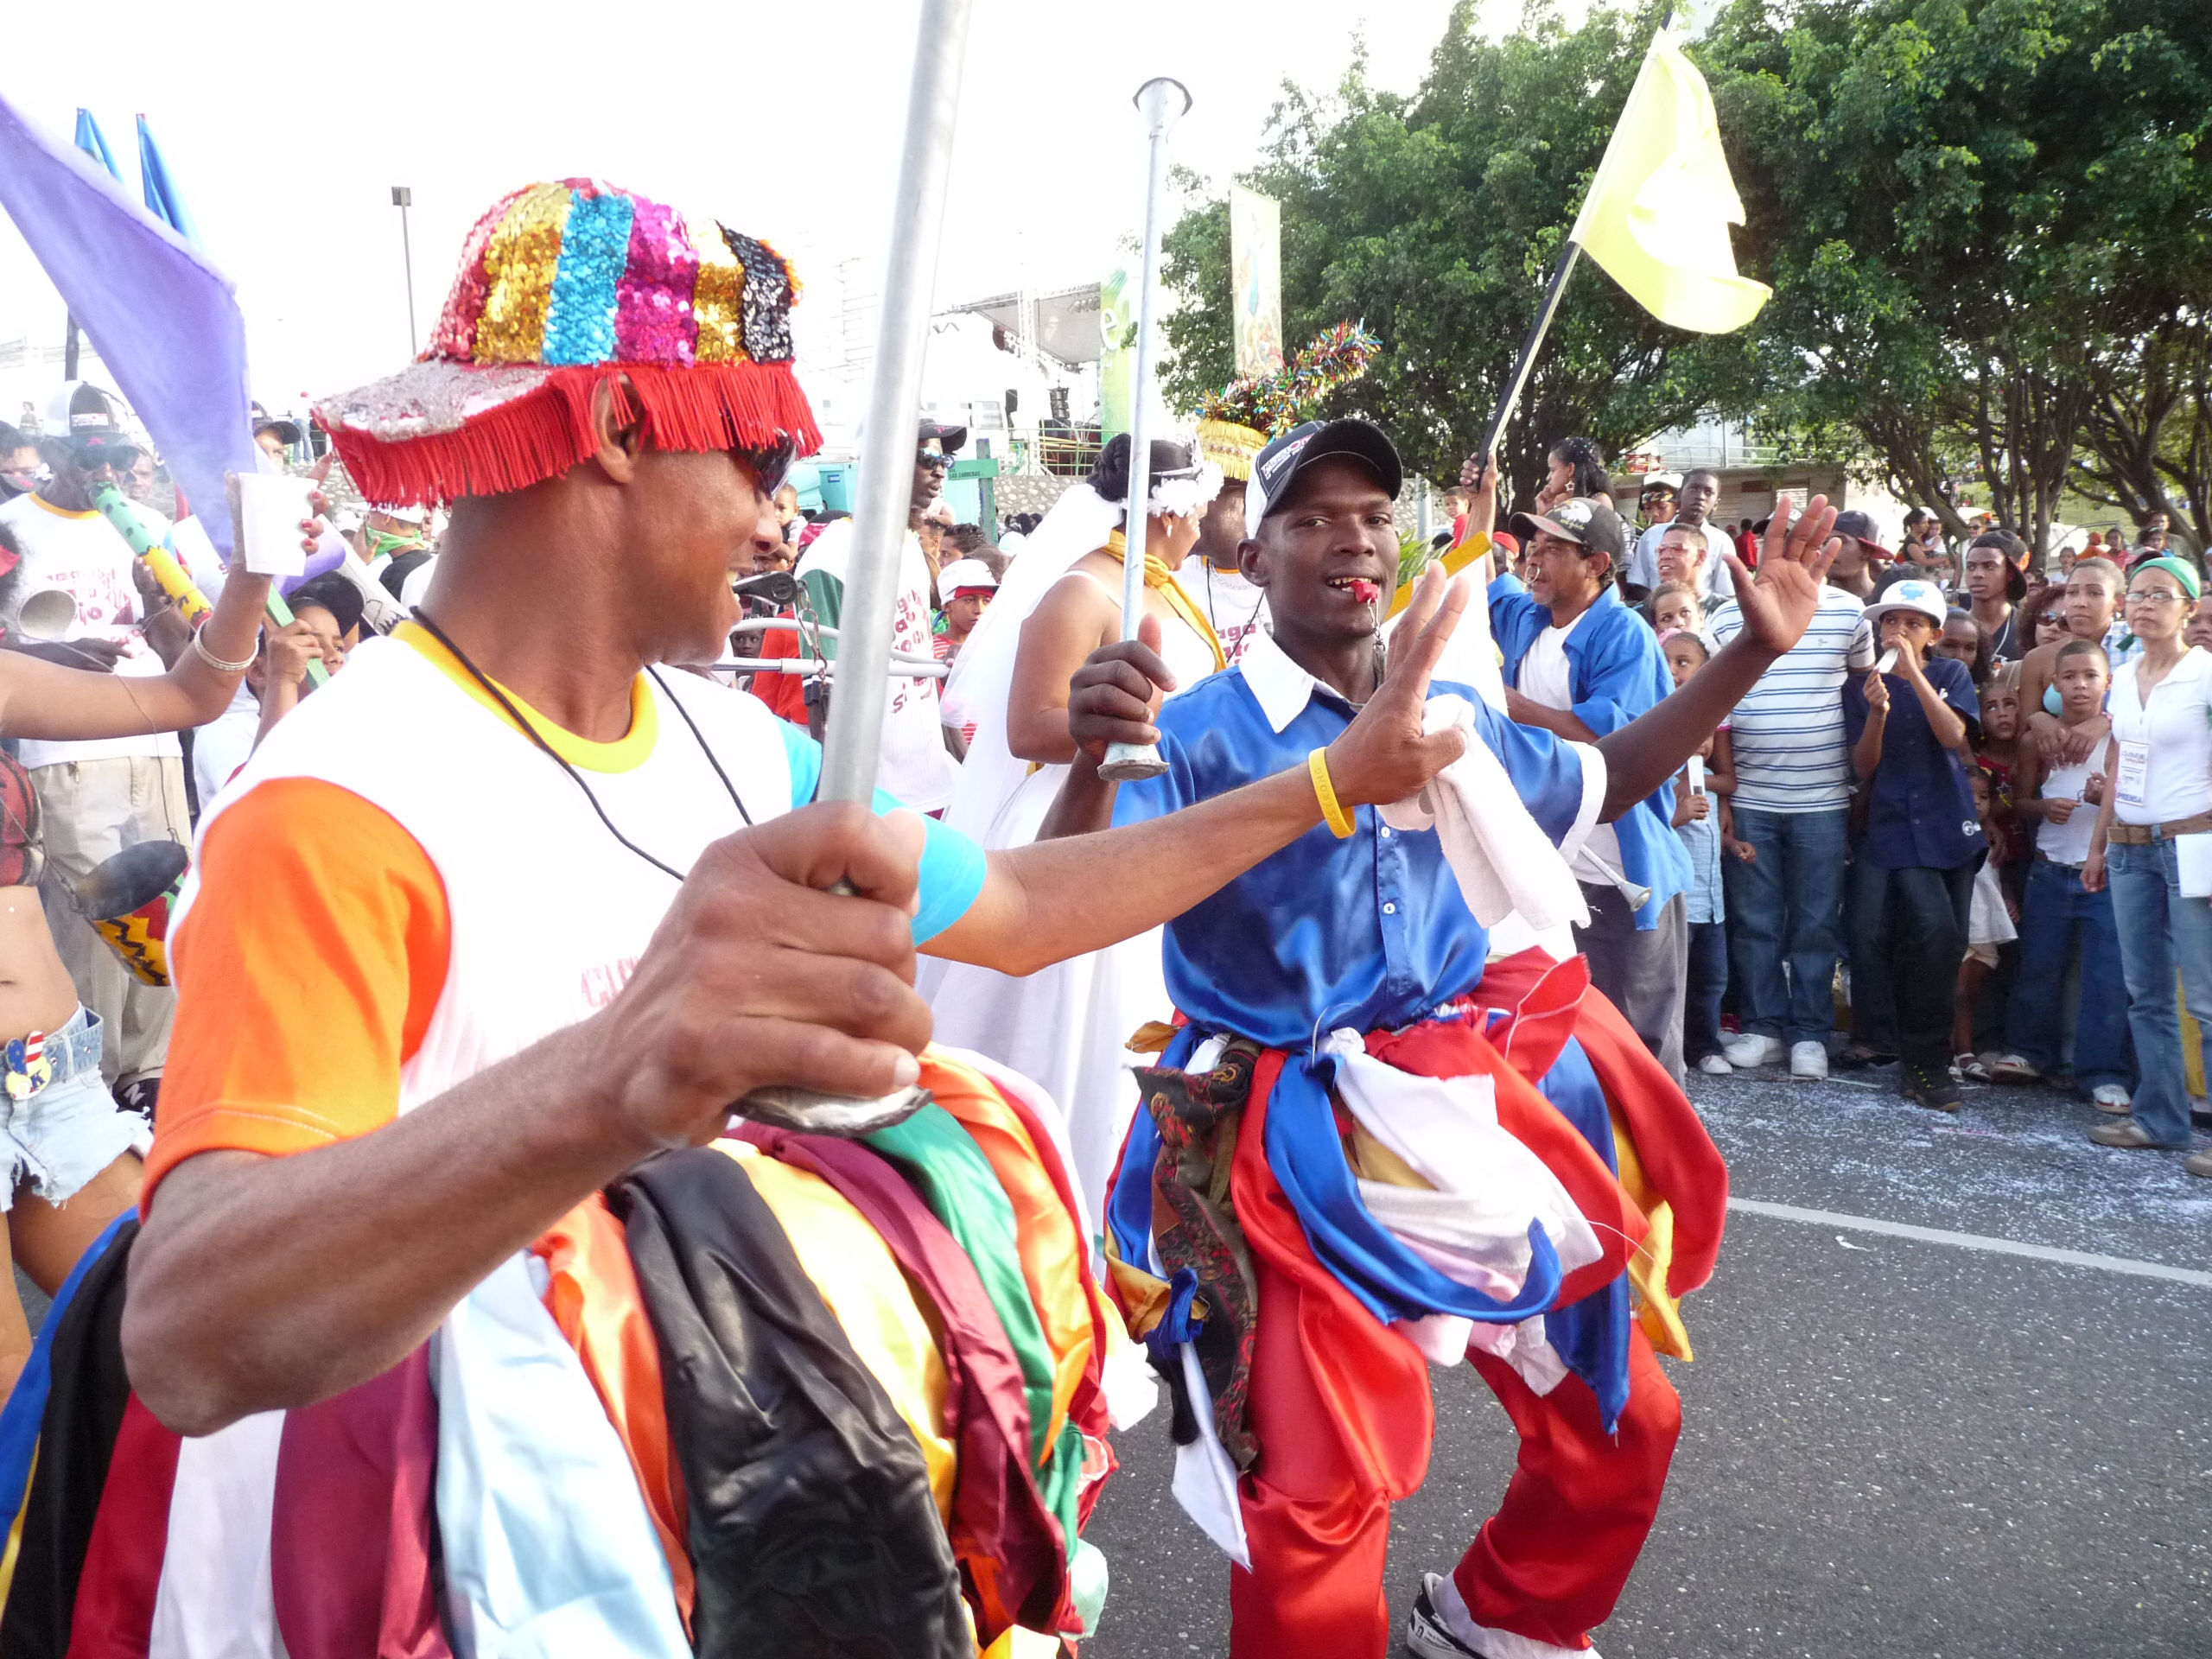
(509, 910)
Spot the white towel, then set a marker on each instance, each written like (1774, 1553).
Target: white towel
(1503, 858)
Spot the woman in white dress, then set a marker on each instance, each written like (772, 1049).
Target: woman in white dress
(1066, 1026)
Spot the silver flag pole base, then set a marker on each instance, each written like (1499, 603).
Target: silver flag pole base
(806, 1112)
(1131, 763)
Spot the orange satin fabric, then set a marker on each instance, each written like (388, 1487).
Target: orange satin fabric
(1044, 1231)
(594, 1297)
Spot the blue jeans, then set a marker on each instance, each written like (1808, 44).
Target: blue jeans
(1709, 979)
(2054, 908)
(1785, 906)
(2159, 932)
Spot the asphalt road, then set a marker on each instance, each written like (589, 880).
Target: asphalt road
(1892, 1446)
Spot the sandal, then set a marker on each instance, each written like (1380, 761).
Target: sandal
(1969, 1068)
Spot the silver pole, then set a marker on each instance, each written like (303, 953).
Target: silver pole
(856, 730)
(1163, 102)
(855, 736)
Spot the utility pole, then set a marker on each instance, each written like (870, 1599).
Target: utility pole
(403, 198)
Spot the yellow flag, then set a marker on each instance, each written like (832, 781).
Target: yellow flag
(1659, 209)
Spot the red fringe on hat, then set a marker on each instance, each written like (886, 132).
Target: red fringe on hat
(701, 408)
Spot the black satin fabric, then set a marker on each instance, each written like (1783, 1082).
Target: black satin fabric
(812, 1526)
(76, 1441)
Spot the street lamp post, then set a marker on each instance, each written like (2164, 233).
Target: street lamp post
(403, 198)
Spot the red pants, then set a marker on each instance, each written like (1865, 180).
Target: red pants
(1549, 1565)
(1340, 1405)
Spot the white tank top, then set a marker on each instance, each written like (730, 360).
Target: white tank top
(549, 912)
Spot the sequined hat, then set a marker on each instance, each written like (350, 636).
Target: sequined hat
(565, 287)
(1236, 422)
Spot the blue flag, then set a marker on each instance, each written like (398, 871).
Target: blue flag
(161, 197)
(164, 320)
(93, 143)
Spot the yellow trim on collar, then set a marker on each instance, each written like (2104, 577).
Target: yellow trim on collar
(41, 502)
(627, 753)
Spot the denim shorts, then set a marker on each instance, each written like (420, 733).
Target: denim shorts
(72, 1130)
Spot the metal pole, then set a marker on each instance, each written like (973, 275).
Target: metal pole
(1567, 256)
(1163, 102)
(854, 734)
(887, 462)
(403, 197)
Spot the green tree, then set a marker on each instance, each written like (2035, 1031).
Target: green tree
(1985, 222)
(1436, 219)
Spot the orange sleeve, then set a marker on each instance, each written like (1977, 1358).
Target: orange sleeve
(306, 970)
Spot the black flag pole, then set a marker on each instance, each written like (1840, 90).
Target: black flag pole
(1567, 256)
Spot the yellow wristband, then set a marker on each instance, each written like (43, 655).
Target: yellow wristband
(1340, 821)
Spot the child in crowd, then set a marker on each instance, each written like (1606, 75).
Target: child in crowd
(2063, 800)
(1703, 821)
(1990, 925)
(2000, 746)
(1674, 608)
(2199, 631)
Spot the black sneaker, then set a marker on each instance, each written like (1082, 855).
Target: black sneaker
(140, 1094)
(1426, 1634)
(1931, 1086)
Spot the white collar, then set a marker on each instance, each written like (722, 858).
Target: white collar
(1279, 685)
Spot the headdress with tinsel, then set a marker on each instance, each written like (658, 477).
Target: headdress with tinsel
(565, 288)
(1237, 423)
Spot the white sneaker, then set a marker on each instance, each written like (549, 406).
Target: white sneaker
(2110, 1097)
(1750, 1049)
(1713, 1066)
(1810, 1059)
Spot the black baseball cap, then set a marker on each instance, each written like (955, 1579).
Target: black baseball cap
(1278, 467)
(948, 439)
(87, 419)
(1590, 524)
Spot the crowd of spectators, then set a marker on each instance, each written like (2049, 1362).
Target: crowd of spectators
(1963, 831)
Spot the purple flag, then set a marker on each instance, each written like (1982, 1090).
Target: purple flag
(164, 320)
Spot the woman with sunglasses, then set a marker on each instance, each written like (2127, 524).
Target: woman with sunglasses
(1912, 734)
(2153, 844)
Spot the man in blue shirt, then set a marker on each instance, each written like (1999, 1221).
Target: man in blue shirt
(1580, 664)
(1359, 931)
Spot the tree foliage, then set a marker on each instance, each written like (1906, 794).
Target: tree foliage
(1436, 219)
(1988, 226)
(1986, 223)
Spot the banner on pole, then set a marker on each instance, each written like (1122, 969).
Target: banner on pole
(1255, 279)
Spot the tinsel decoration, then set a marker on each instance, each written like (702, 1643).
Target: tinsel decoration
(1236, 422)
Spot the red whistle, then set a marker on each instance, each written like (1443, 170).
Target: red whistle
(1367, 592)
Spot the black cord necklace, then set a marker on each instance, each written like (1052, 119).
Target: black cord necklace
(562, 761)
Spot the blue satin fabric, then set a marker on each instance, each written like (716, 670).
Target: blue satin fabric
(1308, 1162)
(1590, 1335)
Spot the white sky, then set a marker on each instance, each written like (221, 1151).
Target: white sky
(285, 127)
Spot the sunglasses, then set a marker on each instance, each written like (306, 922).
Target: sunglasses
(934, 460)
(770, 465)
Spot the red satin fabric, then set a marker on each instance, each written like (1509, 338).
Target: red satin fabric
(1340, 1403)
(1550, 1564)
(1678, 1156)
(114, 1615)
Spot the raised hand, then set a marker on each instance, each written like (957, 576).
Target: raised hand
(1384, 755)
(1113, 695)
(1779, 602)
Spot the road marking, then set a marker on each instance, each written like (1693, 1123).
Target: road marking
(1976, 1242)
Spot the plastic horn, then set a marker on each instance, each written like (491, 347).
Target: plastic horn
(162, 562)
(856, 729)
(1163, 102)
